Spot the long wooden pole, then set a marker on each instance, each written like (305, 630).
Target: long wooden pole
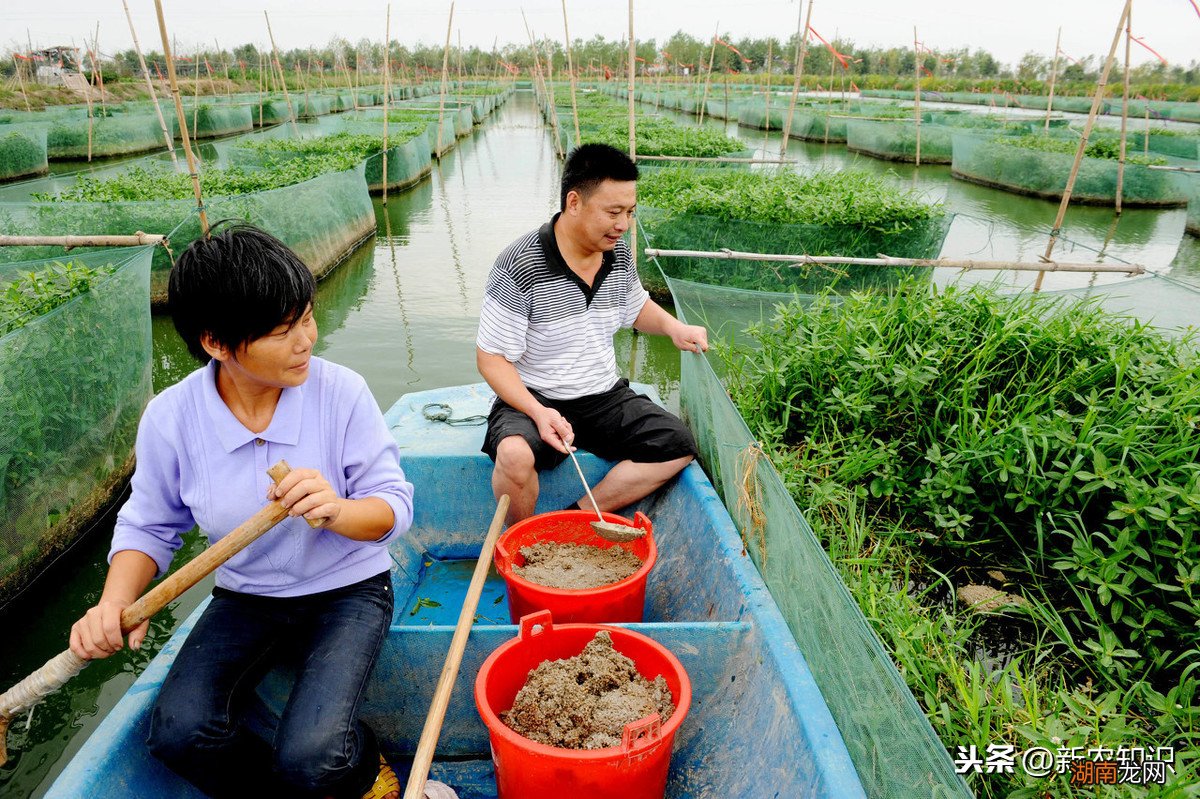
(415, 789)
(571, 70)
(183, 128)
(150, 85)
(801, 51)
(445, 79)
(633, 231)
(282, 78)
(1083, 140)
(1124, 113)
(61, 668)
(917, 91)
(21, 80)
(99, 73)
(88, 96)
(1053, 77)
(68, 242)
(884, 260)
(708, 75)
(387, 91)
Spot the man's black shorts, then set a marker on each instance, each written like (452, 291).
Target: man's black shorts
(617, 425)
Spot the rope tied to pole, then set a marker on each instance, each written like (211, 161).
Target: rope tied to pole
(442, 412)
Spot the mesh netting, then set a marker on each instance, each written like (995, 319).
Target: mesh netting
(271, 112)
(208, 121)
(73, 384)
(897, 141)
(22, 151)
(1044, 174)
(309, 106)
(115, 135)
(1160, 300)
(673, 231)
(1189, 184)
(322, 219)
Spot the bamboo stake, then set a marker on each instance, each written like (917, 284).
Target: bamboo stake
(459, 59)
(282, 77)
(183, 131)
(1146, 136)
(70, 242)
(21, 80)
(633, 231)
(1124, 112)
(387, 91)
(417, 776)
(801, 51)
(886, 260)
(767, 92)
(150, 85)
(1053, 77)
(829, 97)
(445, 78)
(917, 92)
(571, 70)
(350, 83)
(228, 82)
(97, 72)
(1083, 140)
(88, 97)
(195, 92)
(708, 75)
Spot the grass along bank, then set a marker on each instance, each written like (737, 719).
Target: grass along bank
(932, 438)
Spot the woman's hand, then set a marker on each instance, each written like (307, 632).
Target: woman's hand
(690, 338)
(98, 634)
(306, 492)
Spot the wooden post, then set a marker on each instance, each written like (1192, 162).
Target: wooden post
(387, 91)
(801, 51)
(282, 77)
(150, 85)
(917, 91)
(1124, 113)
(1083, 140)
(21, 80)
(445, 78)
(571, 70)
(183, 131)
(1053, 77)
(708, 75)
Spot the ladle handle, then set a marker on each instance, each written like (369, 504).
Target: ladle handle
(583, 479)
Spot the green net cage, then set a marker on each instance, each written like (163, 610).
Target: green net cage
(73, 383)
(271, 112)
(323, 219)
(897, 141)
(207, 121)
(1038, 173)
(114, 135)
(310, 106)
(22, 151)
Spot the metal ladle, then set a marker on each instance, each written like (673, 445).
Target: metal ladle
(609, 531)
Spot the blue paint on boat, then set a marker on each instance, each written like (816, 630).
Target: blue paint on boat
(758, 726)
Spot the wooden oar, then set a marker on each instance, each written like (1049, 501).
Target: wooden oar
(415, 789)
(62, 667)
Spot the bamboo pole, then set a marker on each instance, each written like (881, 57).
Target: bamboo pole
(633, 231)
(282, 77)
(445, 78)
(917, 92)
(459, 59)
(1124, 113)
(829, 98)
(571, 70)
(195, 92)
(225, 61)
(21, 80)
(349, 82)
(708, 75)
(1146, 135)
(387, 91)
(767, 92)
(183, 131)
(150, 85)
(261, 85)
(427, 743)
(801, 51)
(886, 260)
(98, 73)
(69, 242)
(87, 96)
(1053, 77)
(1083, 140)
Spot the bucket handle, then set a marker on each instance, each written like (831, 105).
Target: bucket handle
(540, 618)
(642, 521)
(641, 734)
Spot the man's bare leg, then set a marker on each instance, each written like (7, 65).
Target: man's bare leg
(628, 482)
(515, 475)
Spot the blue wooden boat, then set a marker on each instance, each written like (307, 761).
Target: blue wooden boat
(758, 725)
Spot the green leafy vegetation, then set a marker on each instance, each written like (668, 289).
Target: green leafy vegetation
(1107, 148)
(32, 294)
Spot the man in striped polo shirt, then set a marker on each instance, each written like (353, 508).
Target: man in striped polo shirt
(554, 299)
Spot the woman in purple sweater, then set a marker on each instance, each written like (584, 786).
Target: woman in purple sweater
(321, 598)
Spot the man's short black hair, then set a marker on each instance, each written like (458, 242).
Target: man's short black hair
(590, 164)
(237, 286)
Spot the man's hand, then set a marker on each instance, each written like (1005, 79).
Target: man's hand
(691, 338)
(306, 492)
(554, 429)
(98, 634)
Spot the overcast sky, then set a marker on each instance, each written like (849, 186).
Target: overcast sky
(1007, 28)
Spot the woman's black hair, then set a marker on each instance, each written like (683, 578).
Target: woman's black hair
(236, 286)
(590, 164)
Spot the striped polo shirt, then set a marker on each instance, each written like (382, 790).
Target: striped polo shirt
(548, 323)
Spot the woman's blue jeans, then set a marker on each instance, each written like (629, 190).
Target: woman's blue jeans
(320, 748)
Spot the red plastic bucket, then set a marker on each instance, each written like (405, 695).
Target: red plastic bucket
(637, 769)
(624, 601)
